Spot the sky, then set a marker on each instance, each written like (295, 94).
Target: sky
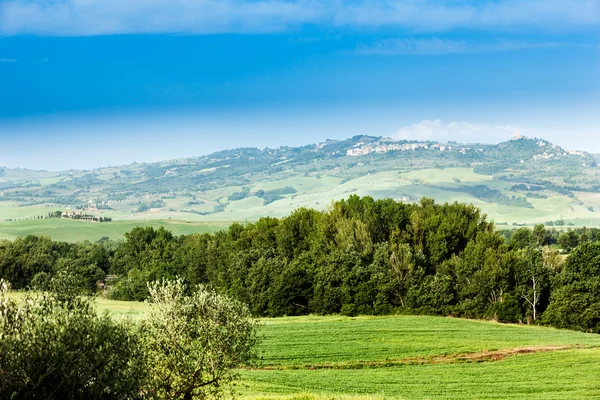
(90, 83)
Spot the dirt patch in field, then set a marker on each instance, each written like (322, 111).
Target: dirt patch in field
(476, 357)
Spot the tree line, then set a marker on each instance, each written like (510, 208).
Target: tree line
(362, 256)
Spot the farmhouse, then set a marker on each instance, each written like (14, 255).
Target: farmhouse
(71, 213)
(80, 215)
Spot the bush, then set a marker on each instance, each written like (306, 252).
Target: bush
(194, 341)
(239, 195)
(55, 345)
(52, 346)
(508, 310)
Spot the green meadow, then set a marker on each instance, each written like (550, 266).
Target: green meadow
(77, 231)
(410, 357)
(564, 374)
(440, 184)
(413, 357)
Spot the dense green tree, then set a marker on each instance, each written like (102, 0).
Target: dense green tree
(146, 255)
(575, 300)
(25, 257)
(522, 238)
(568, 240)
(361, 256)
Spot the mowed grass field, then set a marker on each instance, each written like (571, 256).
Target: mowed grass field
(413, 357)
(78, 231)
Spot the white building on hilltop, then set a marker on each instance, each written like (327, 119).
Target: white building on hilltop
(517, 136)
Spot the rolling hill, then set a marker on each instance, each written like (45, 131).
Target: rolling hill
(521, 181)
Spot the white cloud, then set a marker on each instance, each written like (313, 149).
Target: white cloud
(460, 131)
(7, 60)
(435, 46)
(104, 17)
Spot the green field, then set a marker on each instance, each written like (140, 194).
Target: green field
(77, 231)
(318, 193)
(411, 357)
(414, 357)
(421, 357)
(569, 374)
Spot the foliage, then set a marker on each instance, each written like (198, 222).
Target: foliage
(575, 302)
(156, 204)
(568, 240)
(143, 207)
(239, 195)
(26, 258)
(194, 341)
(269, 196)
(53, 345)
(483, 192)
(362, 256)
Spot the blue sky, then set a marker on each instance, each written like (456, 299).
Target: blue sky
(146, 80)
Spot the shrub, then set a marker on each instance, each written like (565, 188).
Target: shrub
(54, 346)
(194, 341)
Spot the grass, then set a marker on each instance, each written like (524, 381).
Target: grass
(115, 308)
(411, 357)
(571, 374)
(12, 210)
(319, 193)
(118, 308)
(77, 231)
(305, 341)
(339, 357)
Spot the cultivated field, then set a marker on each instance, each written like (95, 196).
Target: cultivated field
(565, 374)
(78, 231)
(414, 357)
(440, 184)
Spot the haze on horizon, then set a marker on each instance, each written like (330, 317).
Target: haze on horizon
(93, 83)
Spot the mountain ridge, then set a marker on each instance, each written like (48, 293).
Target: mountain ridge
(367, 139)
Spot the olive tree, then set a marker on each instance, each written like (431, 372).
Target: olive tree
(54, 346)
(193, 341)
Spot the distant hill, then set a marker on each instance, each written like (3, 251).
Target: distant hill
(519, 181)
